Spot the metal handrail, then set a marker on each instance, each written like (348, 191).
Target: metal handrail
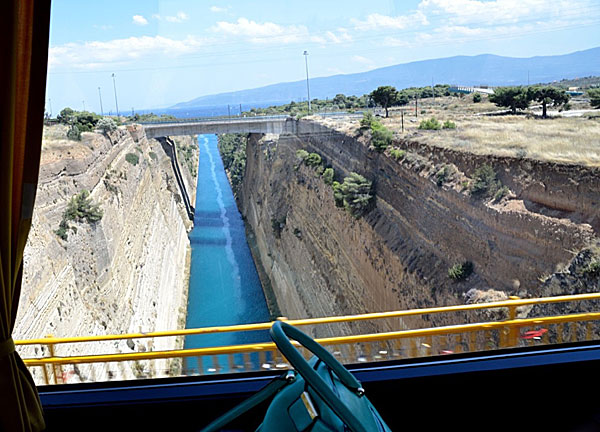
(512, 303)
(502, 333)
(338, 340)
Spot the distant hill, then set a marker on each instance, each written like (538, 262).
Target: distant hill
(485, 69)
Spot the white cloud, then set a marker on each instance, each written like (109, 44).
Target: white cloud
(218, 9)
(95, 54)
(177, 18)
(271, 33)
(384, 22)
(461, 21)
(341, 36)
(264, 32)
(140, 20)
(479, 12)
(246, 27)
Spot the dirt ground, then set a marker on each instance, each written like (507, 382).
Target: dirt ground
(484, 128)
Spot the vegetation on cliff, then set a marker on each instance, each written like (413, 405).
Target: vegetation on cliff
(486, 185)
(189, 156)
(354, 194)
(132, 158)
(381, 137)
(79, 209)
(312, 160)
(85, 121)
(106, 124)
(460, 271)
(232, 148)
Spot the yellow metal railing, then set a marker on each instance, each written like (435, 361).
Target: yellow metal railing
(511, 332)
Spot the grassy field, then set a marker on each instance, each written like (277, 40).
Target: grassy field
(573, 140)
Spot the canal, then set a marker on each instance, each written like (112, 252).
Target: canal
(224, 285)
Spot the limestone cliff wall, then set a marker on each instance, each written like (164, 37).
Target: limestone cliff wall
(126, 273)
(325, 262)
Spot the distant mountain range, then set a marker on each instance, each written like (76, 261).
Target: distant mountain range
(485, 69)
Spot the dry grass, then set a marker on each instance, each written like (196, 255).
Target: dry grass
(565, 140)
(56, 146)
(572, 140)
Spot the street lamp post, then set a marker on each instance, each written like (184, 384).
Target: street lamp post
(115, 87)
(307, 85)
(100, 95)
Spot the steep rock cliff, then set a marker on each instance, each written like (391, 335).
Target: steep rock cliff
(127, 272)
(321, 261)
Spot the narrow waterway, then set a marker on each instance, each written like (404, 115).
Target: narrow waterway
(224, 285)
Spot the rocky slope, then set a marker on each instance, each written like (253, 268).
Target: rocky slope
(321, 261)
(125, 273)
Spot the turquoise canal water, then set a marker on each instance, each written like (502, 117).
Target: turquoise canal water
(224, 285)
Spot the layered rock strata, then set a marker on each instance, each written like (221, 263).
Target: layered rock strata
(324, 262)
(127, 272)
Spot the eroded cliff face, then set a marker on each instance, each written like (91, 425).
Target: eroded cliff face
(127, 272)
(325, 262)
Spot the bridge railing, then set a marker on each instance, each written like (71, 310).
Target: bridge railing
(215, 119)
(510, 331)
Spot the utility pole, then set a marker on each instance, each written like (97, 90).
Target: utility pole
(416, 105)
(83, 102)
(100, 96)
(132, 112)
(307, 85)
(432, 90)
(402, 113)
(240, 110)
(229, 111)
(50, 103)
(115, 87)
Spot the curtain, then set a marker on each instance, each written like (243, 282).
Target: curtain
(24, 31)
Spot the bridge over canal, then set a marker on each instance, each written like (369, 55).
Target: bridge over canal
(265, 124)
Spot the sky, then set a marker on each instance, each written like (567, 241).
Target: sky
(165, 52)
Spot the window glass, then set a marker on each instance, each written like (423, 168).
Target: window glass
(214, 164)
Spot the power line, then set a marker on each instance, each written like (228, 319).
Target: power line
(510, 35)
(574, 12)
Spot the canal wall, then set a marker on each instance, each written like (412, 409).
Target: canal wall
(322, 261)
(127, 272)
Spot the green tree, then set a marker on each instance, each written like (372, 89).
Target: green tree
(594, 95)
(547, 95)
(106, 124)
(385, 96)
(81, 209)
(367, 121)
(74, 133)
(381, 137)
(340, 100)
(66, 116)
(511, 97)
(328, 176)
(485, 183)
(476, 97)
(356, 194)
(85, 120)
